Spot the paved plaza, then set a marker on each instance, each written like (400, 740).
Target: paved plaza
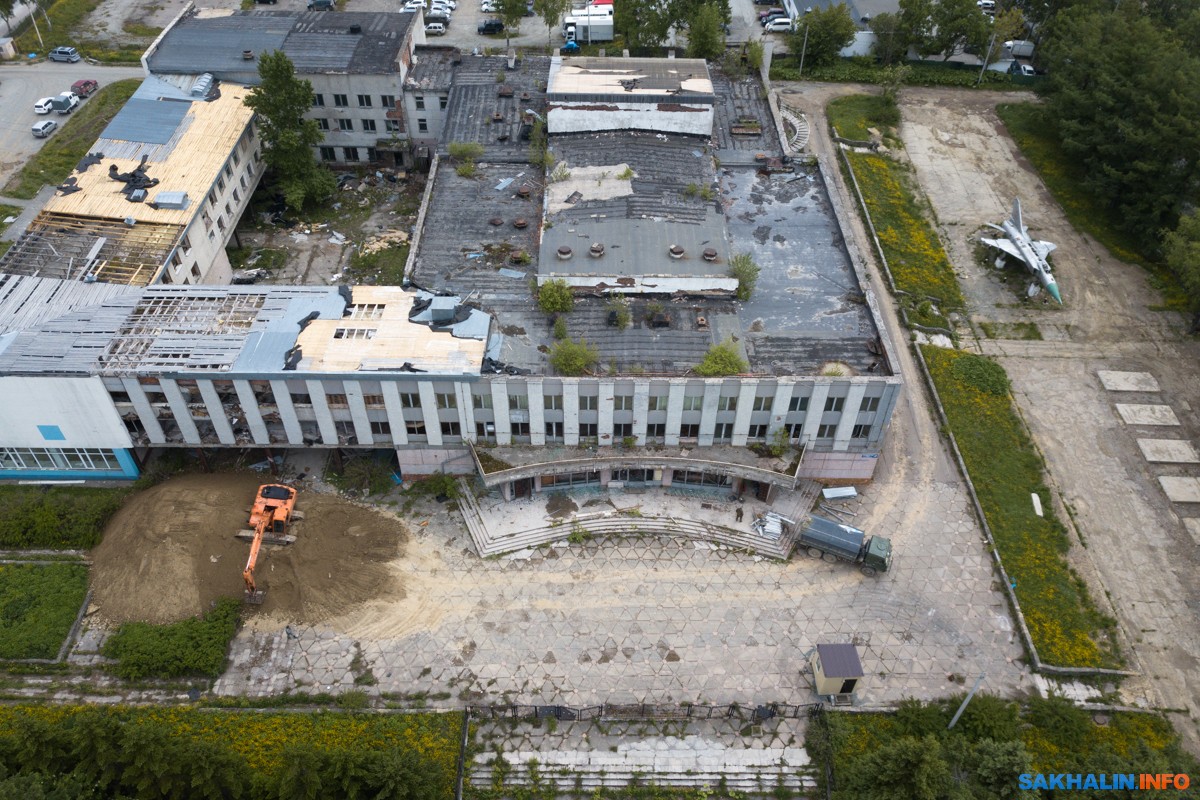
(655, 619)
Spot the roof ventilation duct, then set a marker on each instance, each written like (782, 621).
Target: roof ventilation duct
(203, 85)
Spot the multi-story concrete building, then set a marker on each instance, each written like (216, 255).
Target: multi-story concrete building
(356, 62)
(159, 195)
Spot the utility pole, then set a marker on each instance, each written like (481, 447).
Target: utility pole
(966, 700)
(803, 50)
(33, 17)
(987, 57)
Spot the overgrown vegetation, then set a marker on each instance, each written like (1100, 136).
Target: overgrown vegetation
(384, 266)
(196, 646)
(853, 116)
(437, 485)
(67, 147)
(721, 359)
(618, 305)
(183, 753)
(55, 518)
(1033, 130)
(743, 268)
(573, 358)
(268, 258)
(864, 69)
(1066, 627)
(465, 154)
(369, 473)
(38, 605)
(555, 296)
(911, 754)
(66, 18)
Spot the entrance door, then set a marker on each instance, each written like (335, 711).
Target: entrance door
(523, 487)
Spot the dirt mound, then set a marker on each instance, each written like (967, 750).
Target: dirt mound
(171, 550)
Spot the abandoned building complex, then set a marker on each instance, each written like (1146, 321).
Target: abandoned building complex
(657, 180)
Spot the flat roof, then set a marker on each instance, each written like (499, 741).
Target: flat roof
(583, 77)
(432, 69)
(213, 40)
(477, 95)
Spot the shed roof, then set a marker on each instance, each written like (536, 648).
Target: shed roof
(630, 78)
(840, 660)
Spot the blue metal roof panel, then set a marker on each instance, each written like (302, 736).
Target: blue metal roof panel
(146, 121)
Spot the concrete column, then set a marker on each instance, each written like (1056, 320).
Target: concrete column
(287, 412)
(145, 411)
(537, 413)
(708, 412)
(180, 411)
(605, 412)
(674, 415)
(216, 411)
(883, 415)
(571, 413)
(249, 403)
(667, 475)
(503, 416)
(466, 409)
(641, 410)
(745, 407)
(395, 412)
(816, 410)
(358, 412)
(841, 437)
(537, 484)
(605, 475)
(429, 413)
(316, 393)
(506, 489)
(779, 408)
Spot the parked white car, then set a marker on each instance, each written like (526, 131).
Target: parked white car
(44, 106)
(779, 25)
(488, 7)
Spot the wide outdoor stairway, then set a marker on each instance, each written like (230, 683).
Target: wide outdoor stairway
(764, 759)
(618, 523)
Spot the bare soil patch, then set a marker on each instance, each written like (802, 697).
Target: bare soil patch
(171, 551)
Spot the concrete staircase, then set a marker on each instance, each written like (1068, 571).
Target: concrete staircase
(598, 756)
(799, 124)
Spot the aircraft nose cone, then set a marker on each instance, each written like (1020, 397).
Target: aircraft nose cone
(1053, 290)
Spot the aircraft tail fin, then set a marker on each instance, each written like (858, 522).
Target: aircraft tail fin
(1016, 215)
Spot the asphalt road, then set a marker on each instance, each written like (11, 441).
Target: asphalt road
(21, 85)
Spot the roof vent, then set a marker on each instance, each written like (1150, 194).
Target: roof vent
(130, 221)
(173, 200)
(709, 254)
(505, 91)
(523, 191)
(520, 223)
(202, 85)
(701, 323)
(247, 55)
(496, 222)
(136, 195)
(596, 250)
(565, 253)
(675, 251)
(354, 29)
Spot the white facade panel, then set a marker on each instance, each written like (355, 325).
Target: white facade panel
(566, 117)
(79, 410)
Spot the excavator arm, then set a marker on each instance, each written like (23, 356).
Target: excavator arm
(253, 595)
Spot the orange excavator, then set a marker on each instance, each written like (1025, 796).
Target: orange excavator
(273, 512)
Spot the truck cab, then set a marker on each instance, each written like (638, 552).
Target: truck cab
(878, 556)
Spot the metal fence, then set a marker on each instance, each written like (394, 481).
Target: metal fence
(645, 711)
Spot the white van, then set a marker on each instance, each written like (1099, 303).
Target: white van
(435, 29)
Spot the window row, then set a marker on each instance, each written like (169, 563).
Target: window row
(659, 403)
(64, 458)
(349, 154)
(368, 125)
(387, 101)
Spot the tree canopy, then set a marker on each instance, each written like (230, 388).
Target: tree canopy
(280, 102)
(511, 13)
(722, 359)
(706, 35)
(573, 358)
(822, 33)
(551, 12)
(643, 23)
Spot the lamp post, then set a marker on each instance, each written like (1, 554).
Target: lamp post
(987, 57)
(803, 50)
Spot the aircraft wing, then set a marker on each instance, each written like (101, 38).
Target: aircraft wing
(1043, 249)
(1006, 246)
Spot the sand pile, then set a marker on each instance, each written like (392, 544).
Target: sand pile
(171, 550)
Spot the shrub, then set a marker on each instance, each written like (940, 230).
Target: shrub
(38, 604)
(573, 358)
(555, 297)
(438, 484)
(195, 646)
(560, 328)
(620, 306)
(722, 359)
(465, 151)
(743, 268)
(61, 517)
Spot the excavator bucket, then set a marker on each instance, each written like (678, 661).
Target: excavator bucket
(256, 597)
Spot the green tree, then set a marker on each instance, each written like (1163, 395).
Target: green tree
(1008, 25)
(889, 45)
(957, 25)
(908, 768)
(573, 358)
(722, 359)
(706, 36)
(280, 101)
(1125, 96)
(1181, 251)
(511, 13)
(828, 31)
(914, 26)
(687, 9)
(7, 9)
(555, 296)
(551, 12)
(643, 23)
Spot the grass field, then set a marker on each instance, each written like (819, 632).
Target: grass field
(38, 605)
(1064, 623)
(65, 148)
